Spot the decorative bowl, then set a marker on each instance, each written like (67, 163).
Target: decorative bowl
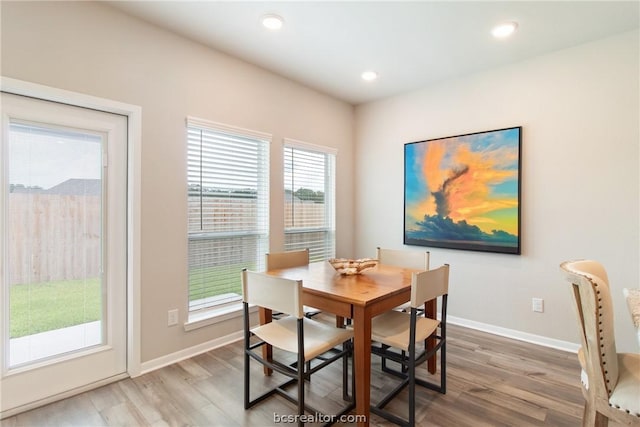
(349, 267)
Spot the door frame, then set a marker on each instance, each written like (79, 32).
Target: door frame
(134, 162)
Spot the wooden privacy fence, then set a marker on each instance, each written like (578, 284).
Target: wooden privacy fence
(219, 214)
(53, 237)
(57, 237)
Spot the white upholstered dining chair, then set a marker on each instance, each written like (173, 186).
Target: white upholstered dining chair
(288, 259)
(402, 331)
(306, 338)
(417, 260)
(610, 380)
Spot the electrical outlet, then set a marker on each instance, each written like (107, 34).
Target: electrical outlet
(537, 305)
(172, 317)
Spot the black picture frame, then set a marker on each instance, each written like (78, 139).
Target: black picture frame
(464, 191)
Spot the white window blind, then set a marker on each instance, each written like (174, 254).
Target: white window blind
(228, 202)
(309, 186)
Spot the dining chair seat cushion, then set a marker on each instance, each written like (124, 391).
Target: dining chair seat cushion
(626, 394)
(392, 328)
(318, 337)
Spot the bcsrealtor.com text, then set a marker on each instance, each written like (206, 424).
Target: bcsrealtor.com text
(317, 418)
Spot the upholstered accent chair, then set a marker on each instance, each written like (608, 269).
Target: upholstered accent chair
(610, 380)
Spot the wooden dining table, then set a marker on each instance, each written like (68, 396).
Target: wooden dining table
(359, 297)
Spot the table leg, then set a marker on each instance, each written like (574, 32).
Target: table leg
(362, 362)
(430, 308)
(267, 350)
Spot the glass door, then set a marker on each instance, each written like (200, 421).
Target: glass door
(63, 245)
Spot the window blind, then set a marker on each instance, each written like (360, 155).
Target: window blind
(309, 181)
(228, 209)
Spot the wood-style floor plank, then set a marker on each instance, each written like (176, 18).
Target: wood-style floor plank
(491, 381)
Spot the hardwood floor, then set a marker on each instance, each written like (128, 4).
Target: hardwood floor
(491, 381)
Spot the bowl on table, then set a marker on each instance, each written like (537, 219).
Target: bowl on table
(349, 267)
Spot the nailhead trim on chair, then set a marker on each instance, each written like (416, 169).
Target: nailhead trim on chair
(625, 410)
(601, 335)
(602, 338)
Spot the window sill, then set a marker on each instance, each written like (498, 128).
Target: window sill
(215, 315)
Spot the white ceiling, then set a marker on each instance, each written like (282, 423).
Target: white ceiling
(327, 45)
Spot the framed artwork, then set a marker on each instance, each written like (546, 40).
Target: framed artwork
(463, 192)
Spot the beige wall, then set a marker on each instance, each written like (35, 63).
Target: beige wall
(94, 49)
(580, 185)
(578, 108)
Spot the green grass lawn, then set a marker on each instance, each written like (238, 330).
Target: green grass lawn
(48, 306)
(210, 281)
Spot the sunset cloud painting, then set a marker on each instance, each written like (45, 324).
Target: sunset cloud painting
(463, 192)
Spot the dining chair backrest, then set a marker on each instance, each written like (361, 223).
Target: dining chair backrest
(428, 285)
(595, 312)
(417, 260)
(410, 339)
(287, 259)
(275, 293)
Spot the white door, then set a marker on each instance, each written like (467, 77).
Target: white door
(63, 251)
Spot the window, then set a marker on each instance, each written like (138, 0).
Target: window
(228, 203)
(309, 187)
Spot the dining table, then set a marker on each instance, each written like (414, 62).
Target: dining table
(359, 297)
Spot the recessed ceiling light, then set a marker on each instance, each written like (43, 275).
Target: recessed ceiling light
(272, 22)
(369, 76)
(504, 30)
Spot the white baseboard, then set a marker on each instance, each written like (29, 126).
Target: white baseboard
(517, 335)
(169, 359)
